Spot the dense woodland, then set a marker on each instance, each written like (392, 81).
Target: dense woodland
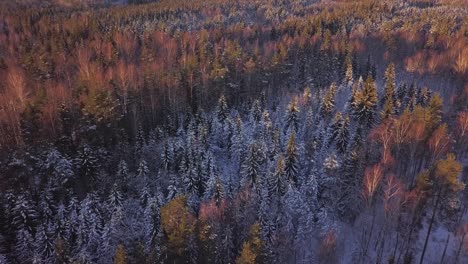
(234, 131)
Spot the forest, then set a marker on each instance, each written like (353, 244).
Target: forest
(233, 131)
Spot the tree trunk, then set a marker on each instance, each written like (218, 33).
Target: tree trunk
(445, 249)
(396, 246)
(460, 248)
(430, 227)
(370, 233)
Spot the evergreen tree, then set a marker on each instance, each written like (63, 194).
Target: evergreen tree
(328, 102)
(87, 163)
(115, 198)
(223, 110)
(292, 116)
(349, 76)
(256, 111)
(153, 231)
(167, 156)
(389, 99)
(291, 161)
(45, 243)
(24, 245)
(251, 166)
(215, 190)
(423, 96)
(342, 137)
(307, 97)
(143, 170)
(277, 184)
(24, 214)
(120, 256)
(335, 128)
(122, 172)
(349, 187)
(365, 103)
(59, 167)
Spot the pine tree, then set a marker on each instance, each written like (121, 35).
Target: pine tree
(223, 110)
(208, 171)
(251, 166)
(328, 102)
(143, 170)
(342, 137)
(215, 190)
(140, 141)
(349, 187)
(192, 182)
(153, 231)
(291, 161)
(59, 167)
(122, 171)
(275, 145)
(24, 245)
(277, 184)
(307, 97)
(238, 138)
(365, 103)
(292, 116)
(45, 243)
(120, 255)
(335, 128)
(389, 98)
(87, 163)
(349, 70)
(167, 156)
(227, 244)
(423, 96)
(24, 214)
(256, 111)
(115, 198)
(264, 219)
(67, 126)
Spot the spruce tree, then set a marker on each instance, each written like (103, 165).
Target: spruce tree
(256, 111)
(291, 161)
(342, 137)
(251, 166)
(167, 156)
(277, 183)
(366, 103)
(223, 110)
(335, 128)
(389, 98)
(292, 116)
(115, 198)
(328, 102)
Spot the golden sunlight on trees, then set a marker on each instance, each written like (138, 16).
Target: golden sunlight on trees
(442, 184)
(178, 223)
(251, 248)
(120, 255)
(372, 178)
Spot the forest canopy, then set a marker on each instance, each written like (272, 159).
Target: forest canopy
(233, 131)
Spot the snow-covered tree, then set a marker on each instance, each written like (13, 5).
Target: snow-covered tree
(277, 182)
(223, 109)
(291, 166)
(292, 116)
(167, 156)
(251, 165)
(60, 167)
(328, 102)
